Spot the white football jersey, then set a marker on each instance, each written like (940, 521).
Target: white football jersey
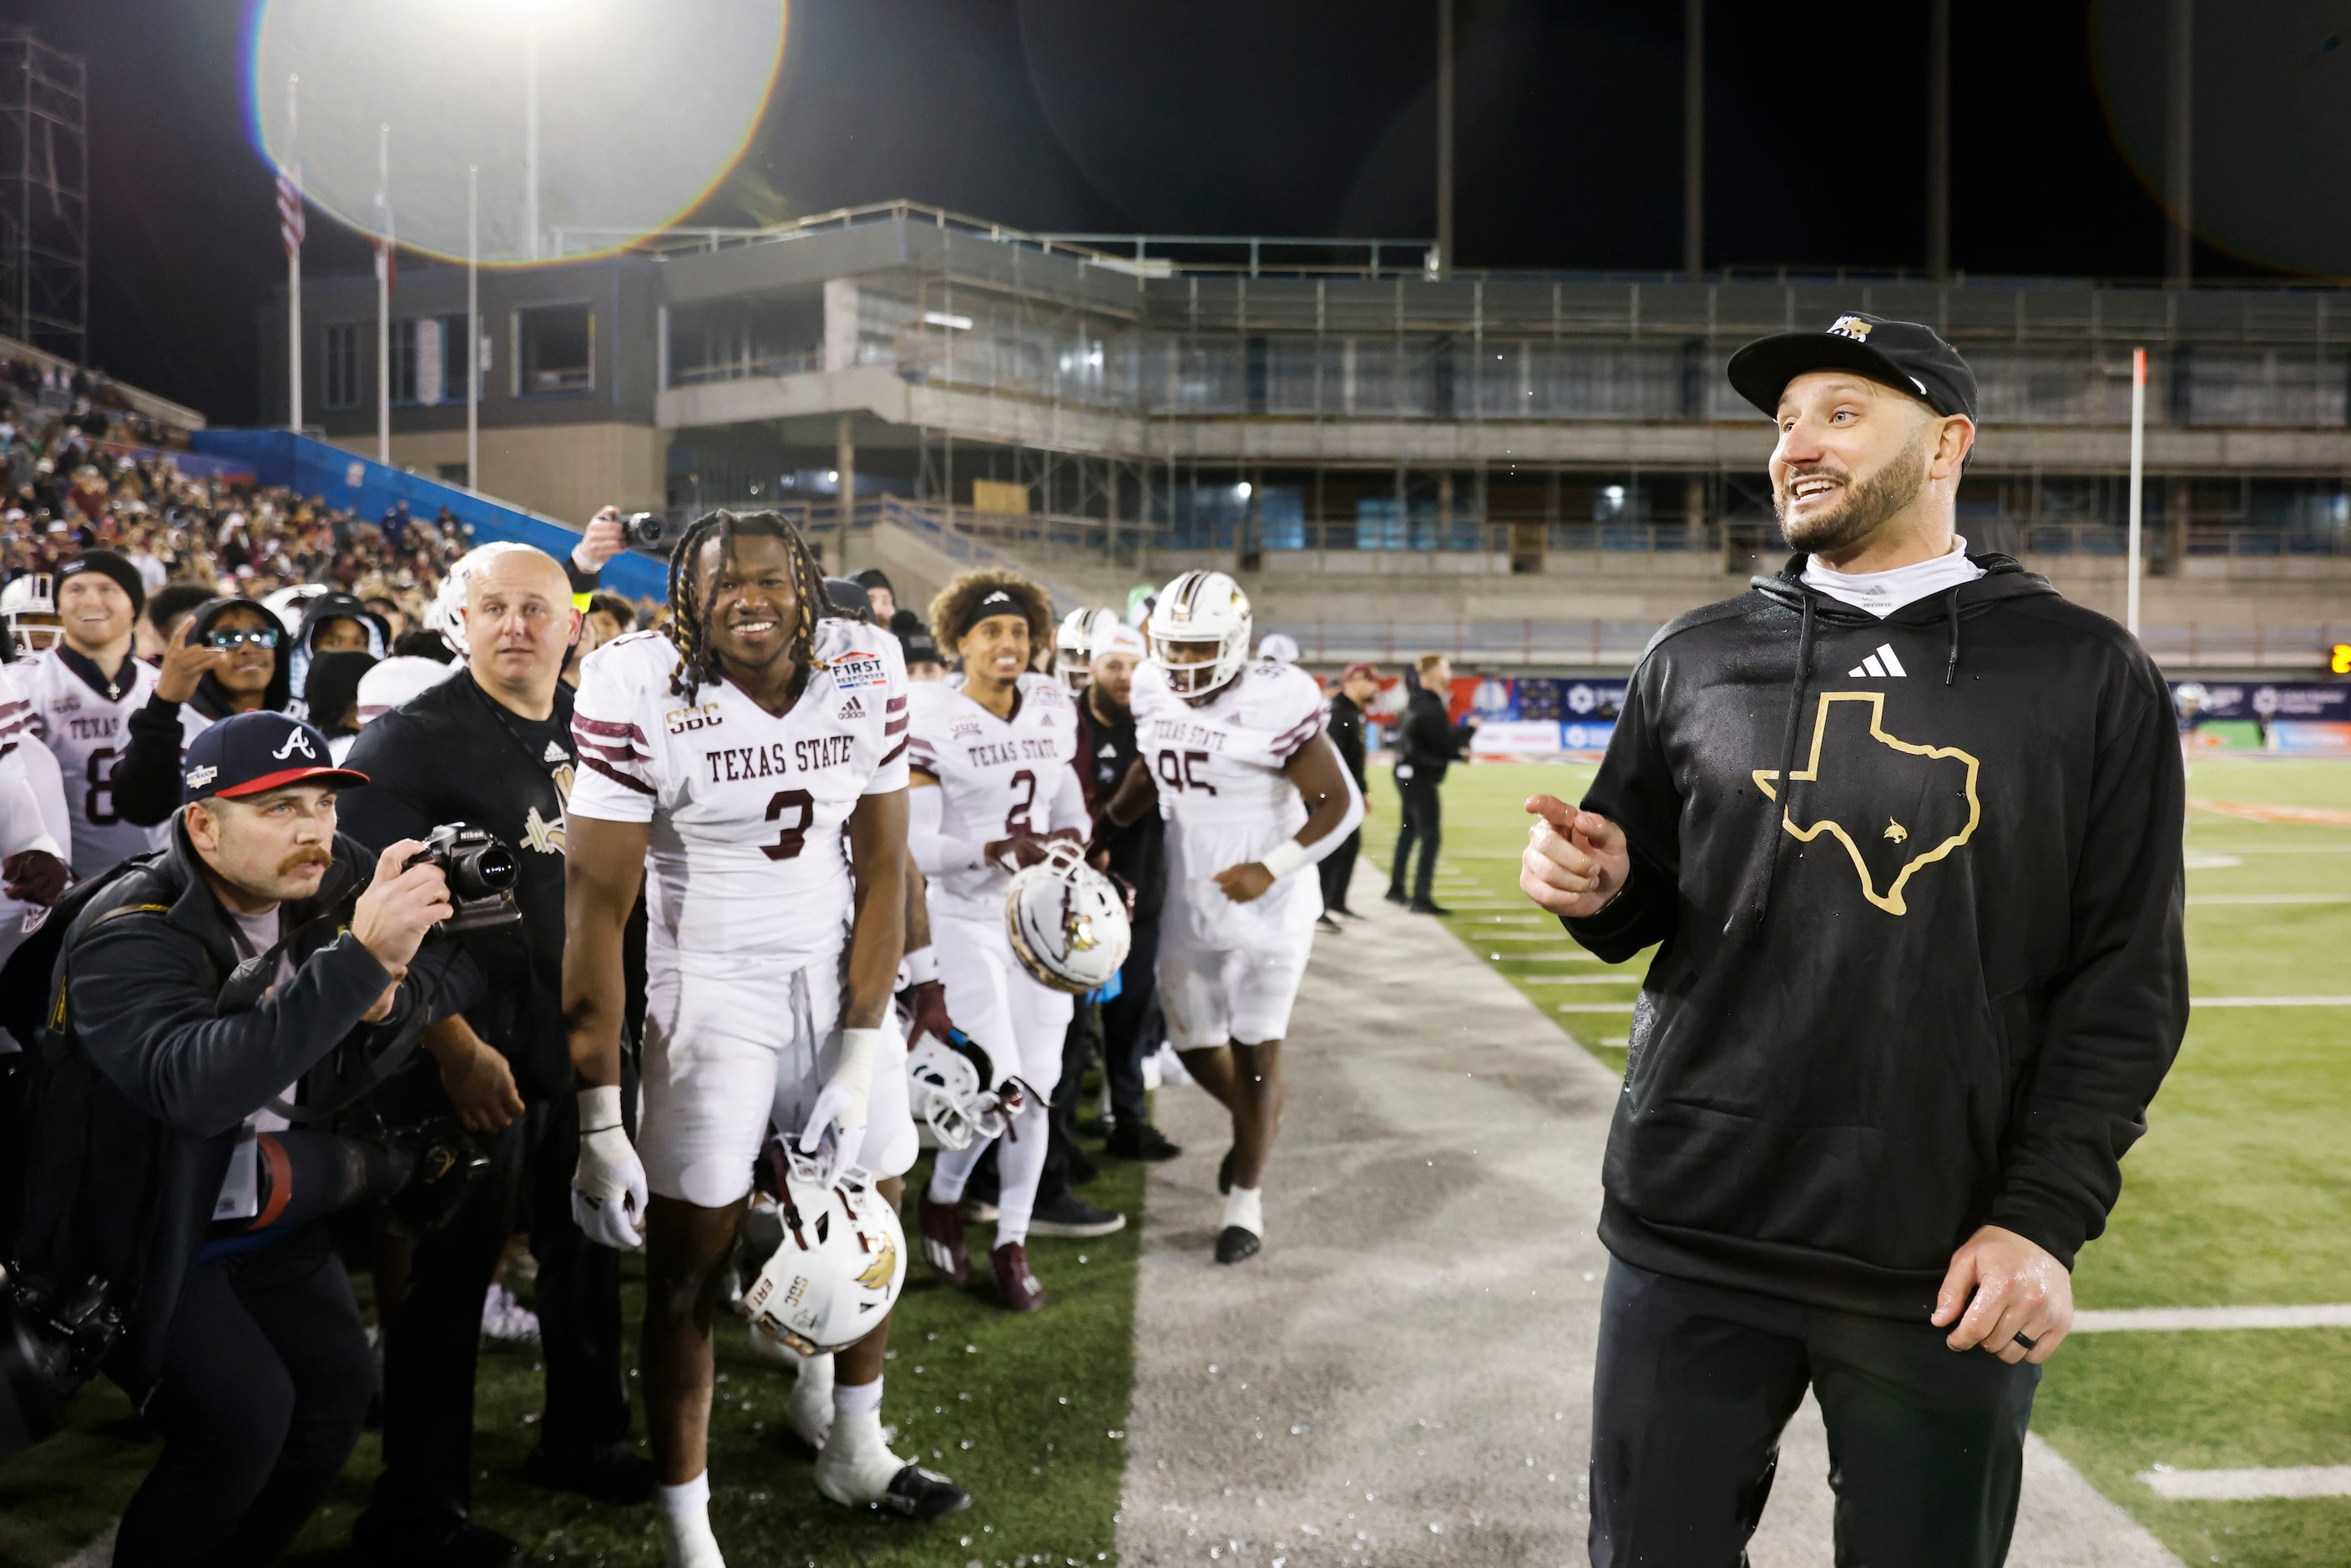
(1225, 797)
(86, 731)
(747, 858)
(997, 777)
(32, 810)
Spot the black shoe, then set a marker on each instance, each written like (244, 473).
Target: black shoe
(404, 1540)
(918, 1494)
(1225, 1172)
(610, 1473)
(1082, 1170)
(1428, 906)
(1343, 909)
(1396, 896)
(1236, 1243)
(1140, 1141)
(1323, 922)
(1070, 1215)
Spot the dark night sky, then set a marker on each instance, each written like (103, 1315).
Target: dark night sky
(1240, 116)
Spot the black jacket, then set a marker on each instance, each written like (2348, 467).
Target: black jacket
(1138, 851)
(453, 754)
(147, 779)
(1347, 732)
(1939, 991)
(144, 1087)
(1429, 741)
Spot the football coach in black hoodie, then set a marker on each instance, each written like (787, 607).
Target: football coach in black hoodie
(1905, 826)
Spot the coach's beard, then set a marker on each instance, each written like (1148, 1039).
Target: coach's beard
(1866, 504)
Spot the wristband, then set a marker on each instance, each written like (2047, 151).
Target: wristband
(600, 1109)
(855, 1075)
(1286, 857)
(923, 966)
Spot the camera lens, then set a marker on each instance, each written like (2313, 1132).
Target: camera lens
(483, 872)
(644, 529)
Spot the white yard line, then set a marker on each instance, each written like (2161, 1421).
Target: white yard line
(2195, 899)
(2247, 1485)
(2269, 1002)
(2160, 1320)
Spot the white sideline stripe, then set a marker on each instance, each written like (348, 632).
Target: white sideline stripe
(2269, 1002)
(1578, 980)
(2247, 1485)
(2160, 1320)
(2269, 898)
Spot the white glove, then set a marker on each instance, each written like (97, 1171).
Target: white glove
(841, 1105)
(608, 1189)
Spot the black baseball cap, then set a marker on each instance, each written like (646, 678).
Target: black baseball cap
(250, 753)
(1903, 355)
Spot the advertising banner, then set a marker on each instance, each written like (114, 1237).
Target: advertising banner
(2311, 719)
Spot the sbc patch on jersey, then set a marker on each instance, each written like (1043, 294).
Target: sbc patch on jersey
(853, 669)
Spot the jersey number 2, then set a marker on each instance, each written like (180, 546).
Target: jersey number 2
(794, 839)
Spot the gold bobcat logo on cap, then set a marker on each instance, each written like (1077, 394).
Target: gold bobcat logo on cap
(1852, 327)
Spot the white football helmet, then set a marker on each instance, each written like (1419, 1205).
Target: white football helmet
(1068, 922)
(838, 1267)
(951, 1085)
(1199, 608)
(1073, 649)
(29, 606)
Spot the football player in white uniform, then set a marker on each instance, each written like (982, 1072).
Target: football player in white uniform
(726, 753)
(35, 828)
(992, 781)
(1254, 794)
(83, 691)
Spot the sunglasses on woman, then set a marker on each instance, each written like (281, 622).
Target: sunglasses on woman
(243, 636)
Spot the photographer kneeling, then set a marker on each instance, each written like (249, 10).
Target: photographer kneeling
(260, 957)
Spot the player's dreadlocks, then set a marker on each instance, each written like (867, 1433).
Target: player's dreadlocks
(691, 600)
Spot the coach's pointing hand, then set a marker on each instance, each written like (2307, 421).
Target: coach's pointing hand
(1575, 860)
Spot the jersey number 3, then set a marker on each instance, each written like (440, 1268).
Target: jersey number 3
(793, 839)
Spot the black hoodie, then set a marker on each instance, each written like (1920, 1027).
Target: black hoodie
(1941, 989)
(147, 779)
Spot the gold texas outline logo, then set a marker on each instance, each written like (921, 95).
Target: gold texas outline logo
(1891, 901)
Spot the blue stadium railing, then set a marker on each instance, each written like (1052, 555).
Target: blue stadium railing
(355, 483)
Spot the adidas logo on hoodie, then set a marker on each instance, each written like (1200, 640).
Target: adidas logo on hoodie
(1882, 663)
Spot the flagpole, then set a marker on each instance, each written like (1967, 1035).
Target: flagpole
(472, 332)
(2138, 483)
(383, 301)
(293, 272)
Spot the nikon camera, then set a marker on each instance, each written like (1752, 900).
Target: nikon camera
(481, 872)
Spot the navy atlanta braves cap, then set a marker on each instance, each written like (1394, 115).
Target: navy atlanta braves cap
(1899, 354)
(251, 752)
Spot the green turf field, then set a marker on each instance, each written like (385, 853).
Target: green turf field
(1029, 1413)
(2240, 1195)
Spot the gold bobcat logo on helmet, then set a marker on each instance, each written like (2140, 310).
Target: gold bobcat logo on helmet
(1079, 930)
(877, 1273)
(1852, 327)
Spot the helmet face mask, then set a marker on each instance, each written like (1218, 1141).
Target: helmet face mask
(1073, 649)
(1200, 611)
(951, 1086)
(30, 607)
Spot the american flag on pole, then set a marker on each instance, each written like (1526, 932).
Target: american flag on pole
(290, 227)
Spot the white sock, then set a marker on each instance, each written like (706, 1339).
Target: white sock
(857, 1398)
(954, 1168)
(686, 1540)
(1245, 1207)
(686, 1501)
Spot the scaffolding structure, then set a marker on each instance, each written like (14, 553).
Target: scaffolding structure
(44, 195)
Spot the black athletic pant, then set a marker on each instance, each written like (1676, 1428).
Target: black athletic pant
(1131, 1029)
(1338, 869)
(433, 1336)
(1422, 825)
(1694, 1382)
(266, 1376)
